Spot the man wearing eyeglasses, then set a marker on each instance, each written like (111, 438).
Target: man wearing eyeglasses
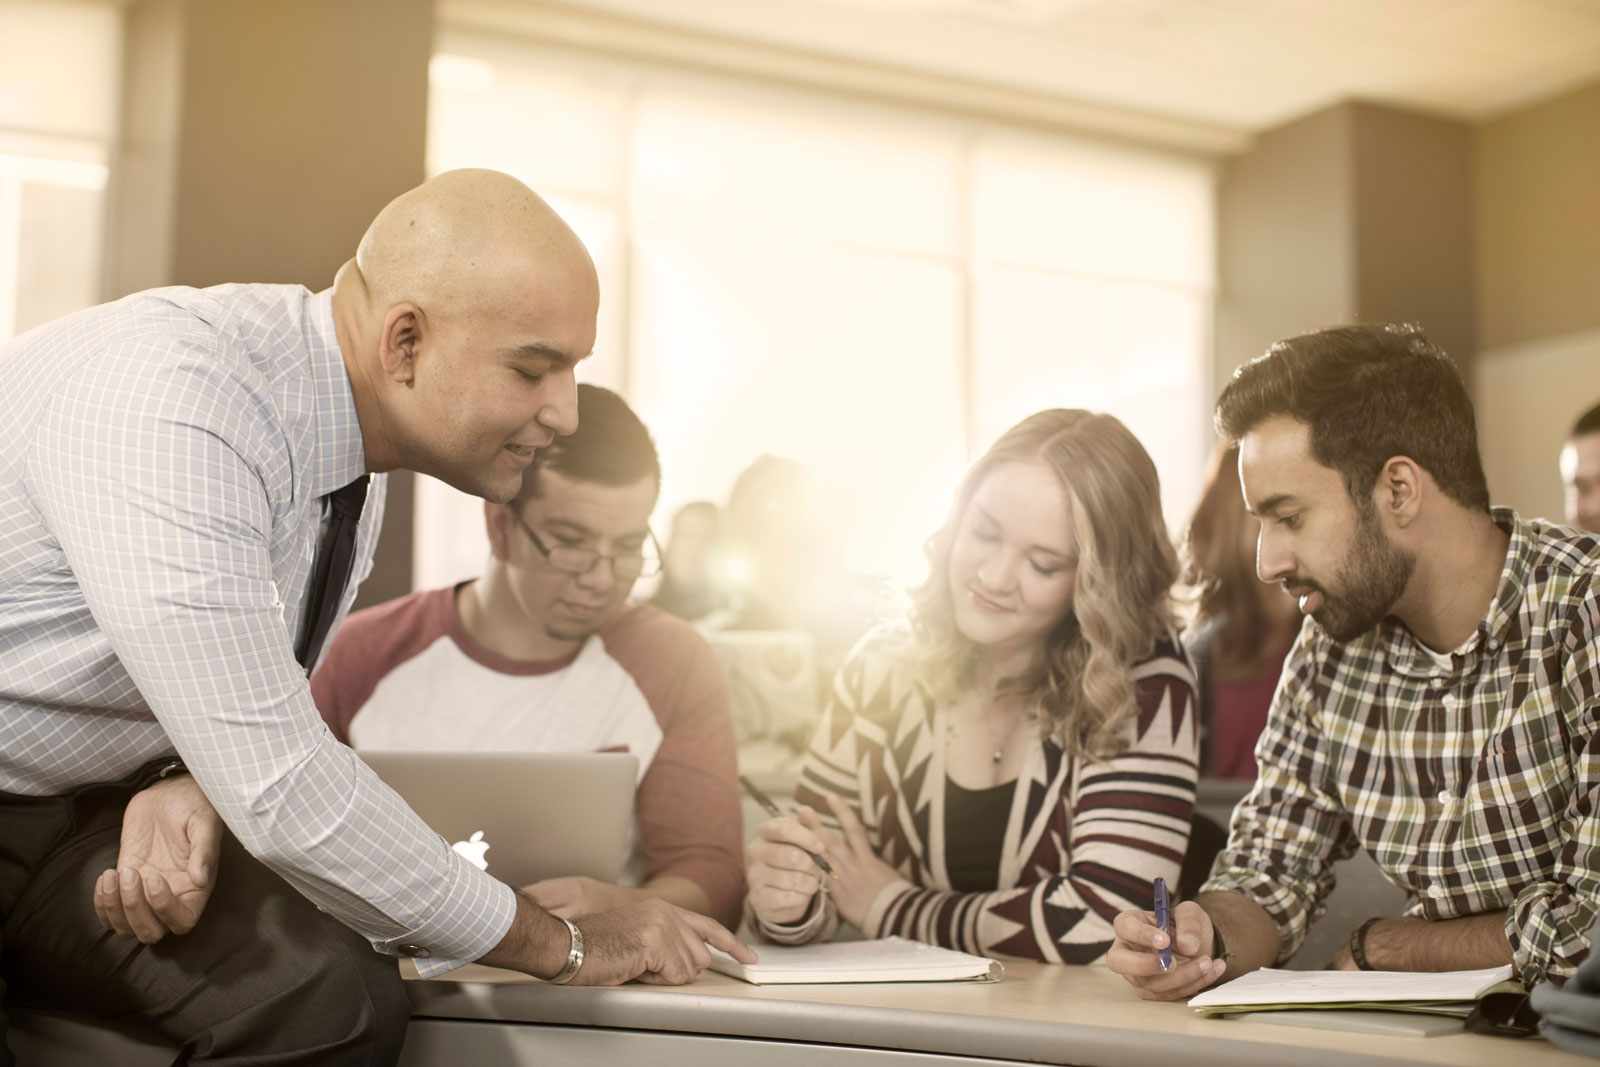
(543, 652)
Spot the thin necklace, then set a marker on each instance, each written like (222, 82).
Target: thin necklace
(998, 742)
(1003, 742)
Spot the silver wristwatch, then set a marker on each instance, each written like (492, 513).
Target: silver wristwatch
(569, 971)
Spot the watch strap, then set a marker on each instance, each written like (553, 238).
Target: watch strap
(156, 770)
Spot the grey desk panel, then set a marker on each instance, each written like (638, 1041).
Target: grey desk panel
(449, 1042)
(964, 1035)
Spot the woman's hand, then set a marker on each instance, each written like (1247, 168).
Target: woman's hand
(862, 875)
(781, 868)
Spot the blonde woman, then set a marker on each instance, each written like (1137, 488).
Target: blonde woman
(1011, 766)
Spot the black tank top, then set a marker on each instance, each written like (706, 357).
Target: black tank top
(974, 830)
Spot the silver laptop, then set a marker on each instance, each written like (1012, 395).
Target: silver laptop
(522, 816)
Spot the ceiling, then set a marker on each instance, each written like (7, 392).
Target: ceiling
(1244, 64)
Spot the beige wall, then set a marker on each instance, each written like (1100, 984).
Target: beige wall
(1411, 194)
(1489, 236)
(260, 139)
(1537, 198)
(1358, 213)
(1538, 204)
(1530, 395)
(1284, 239)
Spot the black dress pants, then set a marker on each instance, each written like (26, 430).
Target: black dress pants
(264, 978)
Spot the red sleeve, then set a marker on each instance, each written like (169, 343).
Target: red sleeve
(369, 645)
(690, 821)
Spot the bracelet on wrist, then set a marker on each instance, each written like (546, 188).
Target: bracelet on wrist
(569, 970)
(1358, 945)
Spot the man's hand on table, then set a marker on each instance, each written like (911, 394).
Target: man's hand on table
(646, 941)
(1138, 938)
(167, 863)
(652, 941)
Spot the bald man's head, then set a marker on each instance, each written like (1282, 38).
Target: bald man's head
(464, 235)
(468, 303)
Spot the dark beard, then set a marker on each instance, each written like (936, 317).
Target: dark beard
(1372, 577)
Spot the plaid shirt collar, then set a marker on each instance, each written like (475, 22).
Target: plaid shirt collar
(1406, 655)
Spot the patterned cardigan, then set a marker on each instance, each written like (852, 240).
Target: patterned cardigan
(1083, 841)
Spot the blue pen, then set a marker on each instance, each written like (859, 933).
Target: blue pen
(1164, 920)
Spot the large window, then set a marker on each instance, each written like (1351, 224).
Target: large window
(58, 91)
(875, 291)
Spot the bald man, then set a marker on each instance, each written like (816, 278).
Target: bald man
(187, 478)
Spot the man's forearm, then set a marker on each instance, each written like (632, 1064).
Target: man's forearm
(1249, 934)
(536, 944)
(680, 891)
(1408, 944)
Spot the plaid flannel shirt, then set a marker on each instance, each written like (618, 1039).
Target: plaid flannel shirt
(1473, 786)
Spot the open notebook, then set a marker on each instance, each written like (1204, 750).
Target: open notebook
(1438, 992)
(891, 959)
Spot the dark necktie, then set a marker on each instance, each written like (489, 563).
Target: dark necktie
(330, 570)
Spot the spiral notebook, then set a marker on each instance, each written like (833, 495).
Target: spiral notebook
(890, 959)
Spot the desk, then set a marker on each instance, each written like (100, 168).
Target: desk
(1084, 1016)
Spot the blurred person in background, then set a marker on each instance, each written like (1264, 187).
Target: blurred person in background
(1009, 766)
(688, 587)
(1580, 471)
(1242, 627)
(784, 560)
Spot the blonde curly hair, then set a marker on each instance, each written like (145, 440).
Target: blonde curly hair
(1080, 689)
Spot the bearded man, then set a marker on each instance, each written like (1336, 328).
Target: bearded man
(1441, 706)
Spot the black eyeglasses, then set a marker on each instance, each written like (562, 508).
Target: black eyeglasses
(572, 559)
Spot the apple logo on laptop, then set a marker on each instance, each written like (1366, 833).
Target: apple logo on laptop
(473, 849)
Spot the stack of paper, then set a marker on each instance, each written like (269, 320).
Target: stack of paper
(1437, 992)
(891, 959)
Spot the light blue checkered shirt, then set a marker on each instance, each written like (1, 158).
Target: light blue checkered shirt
(162, 464)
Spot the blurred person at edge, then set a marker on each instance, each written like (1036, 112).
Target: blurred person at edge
(1242, 627)
(1580, 472)
(980, 761)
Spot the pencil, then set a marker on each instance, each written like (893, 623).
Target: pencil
(772, 809)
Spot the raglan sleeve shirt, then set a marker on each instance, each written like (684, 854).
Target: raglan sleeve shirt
(688, 803)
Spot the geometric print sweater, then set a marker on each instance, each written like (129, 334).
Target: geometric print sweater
(1083, 841)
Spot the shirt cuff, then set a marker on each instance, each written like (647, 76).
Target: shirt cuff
(817, 925)
(1291, 912)
(475, 918)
